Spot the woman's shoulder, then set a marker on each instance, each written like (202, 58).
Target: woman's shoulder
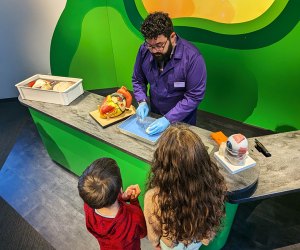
(150, 193)
(148, 200)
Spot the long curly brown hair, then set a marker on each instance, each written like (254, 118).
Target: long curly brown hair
(190, 197)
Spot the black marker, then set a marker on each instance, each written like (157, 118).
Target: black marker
(261, 148)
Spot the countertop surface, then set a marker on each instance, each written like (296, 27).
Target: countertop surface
(279, 173)
(276, 174)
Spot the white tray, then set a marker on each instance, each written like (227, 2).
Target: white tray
(51, 96)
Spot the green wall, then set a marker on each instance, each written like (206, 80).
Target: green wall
(253, 73)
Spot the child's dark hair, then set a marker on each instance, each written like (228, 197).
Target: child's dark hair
(155, 24)
(100, 184)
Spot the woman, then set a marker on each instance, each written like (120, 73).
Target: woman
(184, 203)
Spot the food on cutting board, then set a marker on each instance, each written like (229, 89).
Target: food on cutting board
(115, 104)
(44, 84)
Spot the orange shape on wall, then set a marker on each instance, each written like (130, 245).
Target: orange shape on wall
(222, 11)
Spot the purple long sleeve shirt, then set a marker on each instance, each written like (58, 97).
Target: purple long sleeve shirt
(177, 91)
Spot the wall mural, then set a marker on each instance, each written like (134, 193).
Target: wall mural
(221, 11)
(250, 48)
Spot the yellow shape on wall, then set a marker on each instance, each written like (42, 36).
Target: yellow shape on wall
(222, 11)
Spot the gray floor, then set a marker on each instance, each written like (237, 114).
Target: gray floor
(17, 233)
(45, 195)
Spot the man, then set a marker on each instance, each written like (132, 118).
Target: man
(175, 71)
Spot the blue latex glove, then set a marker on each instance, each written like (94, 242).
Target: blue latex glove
(158, 126)
(142, 110)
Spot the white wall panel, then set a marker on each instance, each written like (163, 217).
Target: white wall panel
(26, 28)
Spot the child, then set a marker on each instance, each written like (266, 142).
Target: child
(114, 223)
(184, 203)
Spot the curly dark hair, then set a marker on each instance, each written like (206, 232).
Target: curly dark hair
(100, 183)
(155, 24)
(190, 190)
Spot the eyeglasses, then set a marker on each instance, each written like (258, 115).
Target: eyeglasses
(158, 46)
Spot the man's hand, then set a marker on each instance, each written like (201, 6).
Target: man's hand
(142, 110)
(132, 192)
(158, 126)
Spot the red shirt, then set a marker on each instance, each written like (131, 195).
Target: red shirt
(120, 233)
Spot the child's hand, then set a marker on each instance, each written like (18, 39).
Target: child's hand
(132, 192)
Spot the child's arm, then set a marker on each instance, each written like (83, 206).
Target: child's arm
(153, 225)
(131, 193)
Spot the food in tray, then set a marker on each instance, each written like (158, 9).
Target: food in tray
(44, 84)
(39, 83)
(115, 104)
(62, 86)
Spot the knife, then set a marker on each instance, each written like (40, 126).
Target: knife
(261, 148)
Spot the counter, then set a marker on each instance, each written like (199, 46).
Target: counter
(74, 139)
(76, 115)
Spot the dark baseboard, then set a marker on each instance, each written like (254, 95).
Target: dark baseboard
(13, 99)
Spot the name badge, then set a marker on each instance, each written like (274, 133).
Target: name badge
(179, 84)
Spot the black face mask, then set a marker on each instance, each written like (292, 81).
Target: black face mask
(160, 57)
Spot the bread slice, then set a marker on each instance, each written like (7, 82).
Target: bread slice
(62, 86)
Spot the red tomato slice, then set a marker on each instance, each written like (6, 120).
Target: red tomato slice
(31, 84)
